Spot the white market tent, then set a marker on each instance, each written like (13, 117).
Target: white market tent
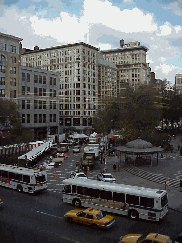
(36, 151)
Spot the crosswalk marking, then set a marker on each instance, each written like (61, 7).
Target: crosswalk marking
(153, 177)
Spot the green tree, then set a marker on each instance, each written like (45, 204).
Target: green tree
(134, 112)
(11, 123)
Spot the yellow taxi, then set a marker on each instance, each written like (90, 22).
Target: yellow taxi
(90, 216)
(146, 238)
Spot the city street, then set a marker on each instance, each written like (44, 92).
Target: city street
(29, 218)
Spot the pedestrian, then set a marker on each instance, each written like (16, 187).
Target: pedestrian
(167, 187)
(178, 147)
(181, 151)
(114, 167)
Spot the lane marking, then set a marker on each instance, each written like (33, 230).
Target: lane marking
(50, 215)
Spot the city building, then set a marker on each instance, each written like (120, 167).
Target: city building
(178, 83)
(77, 65)
(130, 59)
(39, 100)
(9, 65)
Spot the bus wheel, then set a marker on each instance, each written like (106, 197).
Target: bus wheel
(19, 188)
(77, 203)
(133, 214)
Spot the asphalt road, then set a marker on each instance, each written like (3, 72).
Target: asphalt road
(40, 218)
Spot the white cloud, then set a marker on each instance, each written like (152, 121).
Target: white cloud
(101, 24)
(165, 29)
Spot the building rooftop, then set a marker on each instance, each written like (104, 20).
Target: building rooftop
(122, 49)
(59, 47)
(106, 63)
(10, 37)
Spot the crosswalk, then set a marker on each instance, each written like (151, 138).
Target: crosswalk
(153, 177)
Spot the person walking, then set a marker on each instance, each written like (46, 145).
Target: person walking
(114, 167)
(178, 147)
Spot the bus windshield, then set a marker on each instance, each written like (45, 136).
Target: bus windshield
(40, 179)
(164, 200)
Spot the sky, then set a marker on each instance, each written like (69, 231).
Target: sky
(156, 24)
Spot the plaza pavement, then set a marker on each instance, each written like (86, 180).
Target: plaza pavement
(170, 166)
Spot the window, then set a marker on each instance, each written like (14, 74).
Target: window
(93, 192)
(23, 104)
(35, 78)
(50, 80)
(54, 81)
(44, 104)
(14, 82)
(54, 118)
(23, 118)
(54, 93)
(23, 76)
(146, 202)
(40, 91)
(40, 79)
(118, 197)
(19, 177)
(89, 216)
(44, 79)
(77, 92)
(28, 118)
(131, 199)
(40, 118)
(28, 104)
(67, 189)
(28, 90)
(106, 195)
(40, 104)
(14, 70)
(44, 118)
(81, 214)
(26, 178)
(35, 104)
(35, 118)
(44, 92)
(2, 80)
(50, 105)
(12, 175)
(54, 104)
(23, 90)
(35, 91)
(28, 77)
(2, 69)
(13, 48)
(50, 92)
(50, 117)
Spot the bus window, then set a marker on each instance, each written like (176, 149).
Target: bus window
(4, 174)
(147, 202)
(40, 179)
(93, 192)
(106, 195)
(19, 177)
(67, 189)
(73, 189)
(12, 175)
(119, 197)
(131, 199)
(26, 178)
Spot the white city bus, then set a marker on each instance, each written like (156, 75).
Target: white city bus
(22, 179)
(133, 201)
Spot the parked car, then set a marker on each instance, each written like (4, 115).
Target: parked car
(76, 149)
(106, 177)
(50, 165)
(151, 237)
(90, 216)
(78, 175)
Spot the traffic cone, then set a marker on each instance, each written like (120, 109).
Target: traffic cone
(54, 174)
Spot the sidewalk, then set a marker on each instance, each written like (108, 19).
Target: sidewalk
(123, 177)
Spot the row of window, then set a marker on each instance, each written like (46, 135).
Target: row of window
(39, 118)
(115, 196)
(15, 176)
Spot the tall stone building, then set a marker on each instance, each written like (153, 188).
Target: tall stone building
(130, 59)
(178, 83)
(77, 65)
(9, 65)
